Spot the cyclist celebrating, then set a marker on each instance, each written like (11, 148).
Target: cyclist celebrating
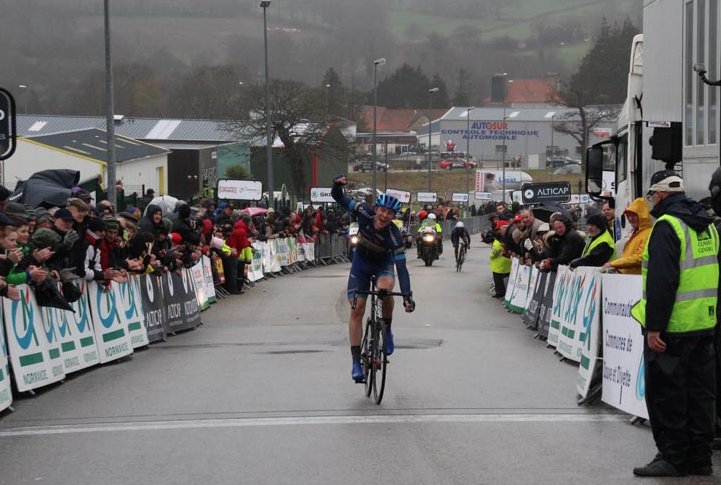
(460, 232)
(380, 247)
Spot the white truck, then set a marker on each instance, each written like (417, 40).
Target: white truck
(670, 118)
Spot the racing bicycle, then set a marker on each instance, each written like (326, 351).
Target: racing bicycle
(461, 254)
(374, 360)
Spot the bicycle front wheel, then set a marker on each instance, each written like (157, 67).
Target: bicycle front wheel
(380, 361)
(367, 358)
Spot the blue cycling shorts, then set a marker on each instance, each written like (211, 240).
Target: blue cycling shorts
(361, 271)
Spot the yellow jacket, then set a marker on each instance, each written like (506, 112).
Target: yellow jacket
(630, 260)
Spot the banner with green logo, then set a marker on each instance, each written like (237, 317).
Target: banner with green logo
(519, 293)
(624, 385)
(33, 347)
(74, 333)
(111, 333)
(588, 328)
(511, 282)
(560, 299)
(130, 310)
(6, 395)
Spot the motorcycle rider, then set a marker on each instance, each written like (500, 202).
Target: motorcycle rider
(430, 221)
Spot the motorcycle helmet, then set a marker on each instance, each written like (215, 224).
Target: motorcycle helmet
(389, 202)
(432, 216)
(715, 188)
(460, 224)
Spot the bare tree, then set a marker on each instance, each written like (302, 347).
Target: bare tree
(298, 118)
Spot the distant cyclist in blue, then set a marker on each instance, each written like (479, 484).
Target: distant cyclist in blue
(380, 247)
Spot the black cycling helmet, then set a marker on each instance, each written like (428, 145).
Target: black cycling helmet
(715, 188)
(389, 202)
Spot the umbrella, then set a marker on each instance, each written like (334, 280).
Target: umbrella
(254, 211)
(543, 212)
(165, 202)
(46, 188)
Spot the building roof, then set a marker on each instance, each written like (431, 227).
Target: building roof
(149, 129)
(396, 120)
(92, 144)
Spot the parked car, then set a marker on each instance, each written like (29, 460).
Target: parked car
(449, 163)
(367, 166)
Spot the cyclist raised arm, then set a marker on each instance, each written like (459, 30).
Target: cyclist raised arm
(380, 248)
(460, 233)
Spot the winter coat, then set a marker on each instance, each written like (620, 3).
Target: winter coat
(630, 260)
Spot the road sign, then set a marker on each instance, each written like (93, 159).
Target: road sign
(460, 197)
(426, 196)
(484, 196)
(7, 124)
(404, 197)
(548, 192)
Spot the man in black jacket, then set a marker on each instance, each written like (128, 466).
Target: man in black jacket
(565, 245)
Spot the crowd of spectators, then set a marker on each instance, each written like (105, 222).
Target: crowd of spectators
(52, 248)
(548, 245)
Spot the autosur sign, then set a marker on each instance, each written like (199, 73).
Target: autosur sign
(548, 192)
(7, 124)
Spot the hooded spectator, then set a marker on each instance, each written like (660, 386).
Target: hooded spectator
(565, 245)
(639, 217)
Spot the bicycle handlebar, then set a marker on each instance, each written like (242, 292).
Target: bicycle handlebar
(379, 293)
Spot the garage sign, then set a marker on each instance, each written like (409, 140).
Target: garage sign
(7, 124)
(548, 192)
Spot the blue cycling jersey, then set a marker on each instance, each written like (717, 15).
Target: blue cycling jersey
(376, 246)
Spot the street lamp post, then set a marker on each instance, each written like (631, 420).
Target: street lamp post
(25, 97)
(430, 116)
(468, 153)
(264, 4)
(110, 111)
(505, 130)
(552, 150)
(327, 106)
(376, 63)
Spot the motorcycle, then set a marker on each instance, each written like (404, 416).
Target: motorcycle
(429, 247)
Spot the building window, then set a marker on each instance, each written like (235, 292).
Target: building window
(713, 26)
(700, 86)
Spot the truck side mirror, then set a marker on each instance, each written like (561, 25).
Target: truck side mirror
(594, 171)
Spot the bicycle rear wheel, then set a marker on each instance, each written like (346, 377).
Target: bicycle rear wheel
(461, 258)
(367, 358)
(380, 361)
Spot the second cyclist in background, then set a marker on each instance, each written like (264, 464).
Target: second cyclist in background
(460, 233)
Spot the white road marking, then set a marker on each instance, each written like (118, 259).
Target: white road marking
(310, 420)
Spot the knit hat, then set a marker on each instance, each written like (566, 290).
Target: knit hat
(112, 224)
(13, 209)
(596, 220)
(95, 224)
(44, 238)
(175, 237)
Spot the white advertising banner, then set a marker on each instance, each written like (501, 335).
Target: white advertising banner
(426, 196)
(111, 334)
(624, 385)
(484, 196)
(81, 327)
(239, 189)
(519, 294)
(320, 194)
(401, 195)
(35, 362)
(580, 293)
(511, 282)
(588, 323)
(130, 311)
(6, 395)
(208, 277)
(560, 298)
(197, 274)
(458, 197)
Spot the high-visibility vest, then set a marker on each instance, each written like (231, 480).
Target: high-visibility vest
(606, 237)
(695, 305)
(499, 263)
